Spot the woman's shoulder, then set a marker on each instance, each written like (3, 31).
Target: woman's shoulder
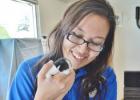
(31, 61)
(24, 80)
(27, 64)
(25, 67)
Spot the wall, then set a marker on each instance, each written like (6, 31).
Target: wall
(126, 56)
(128, 34)
(126, 52)
(51, 11)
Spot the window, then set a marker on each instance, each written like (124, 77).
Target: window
(18, 19)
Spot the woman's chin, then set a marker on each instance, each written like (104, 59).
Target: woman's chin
(76, 67)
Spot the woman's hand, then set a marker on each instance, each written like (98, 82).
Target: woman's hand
(68, 82)
(55, 87)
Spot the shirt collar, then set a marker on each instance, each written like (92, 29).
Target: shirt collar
(81, 72)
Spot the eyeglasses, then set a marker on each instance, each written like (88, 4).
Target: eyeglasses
(72, 37)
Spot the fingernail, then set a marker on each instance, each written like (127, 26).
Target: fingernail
(51, 62)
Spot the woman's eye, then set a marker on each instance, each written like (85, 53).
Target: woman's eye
(96, 43)
(75, 34)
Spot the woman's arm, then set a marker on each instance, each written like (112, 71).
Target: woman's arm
(23, 84)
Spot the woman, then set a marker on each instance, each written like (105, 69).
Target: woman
(85, 36)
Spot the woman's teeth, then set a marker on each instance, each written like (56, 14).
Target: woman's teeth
(77, 56)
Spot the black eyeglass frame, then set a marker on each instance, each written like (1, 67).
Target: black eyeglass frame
(84, 41)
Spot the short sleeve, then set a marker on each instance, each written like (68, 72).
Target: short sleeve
(23, 84)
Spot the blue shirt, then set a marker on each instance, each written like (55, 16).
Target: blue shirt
(23, 85)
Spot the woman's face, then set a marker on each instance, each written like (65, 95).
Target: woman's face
(92, 28)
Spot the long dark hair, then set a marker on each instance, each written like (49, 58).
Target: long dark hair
(72, 17)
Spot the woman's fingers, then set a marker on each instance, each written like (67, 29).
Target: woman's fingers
(64, 80)
(69, 79)
(55, 86)
(44, 70)
(68, 82)
(58, 79)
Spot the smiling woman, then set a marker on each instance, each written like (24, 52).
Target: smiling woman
(20, 24)
(85, 37)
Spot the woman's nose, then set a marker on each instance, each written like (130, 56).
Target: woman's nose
(83, 48)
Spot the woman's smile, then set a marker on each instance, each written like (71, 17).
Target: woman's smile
(78, 57)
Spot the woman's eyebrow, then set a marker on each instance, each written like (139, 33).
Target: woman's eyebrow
(82, 31)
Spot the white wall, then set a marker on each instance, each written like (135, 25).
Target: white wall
(51, 11)
(127, 41)
(128, 34)
(127, 47)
